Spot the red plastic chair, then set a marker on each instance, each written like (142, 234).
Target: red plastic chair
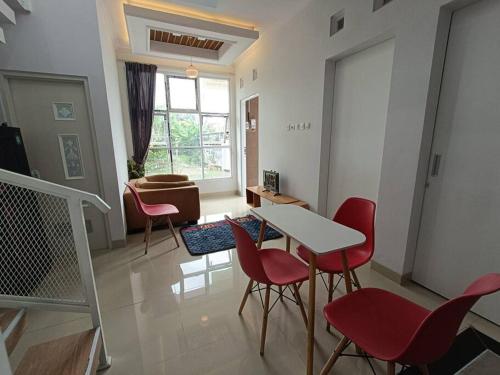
(153, 211)
(359, 214)
(269, 267)
(393, 329)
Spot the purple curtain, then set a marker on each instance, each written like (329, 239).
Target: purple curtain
(141, 81)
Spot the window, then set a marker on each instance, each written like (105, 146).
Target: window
(191, 130)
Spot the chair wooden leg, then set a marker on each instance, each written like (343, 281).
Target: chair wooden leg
(330, 295)
(148, 234)
(245, 296)
(170, 225)
(262, 233)
(356, 280)
(391, 368)
(424, 370)
(146, 229)
(264, 320)
(335, 355)
(301, 305)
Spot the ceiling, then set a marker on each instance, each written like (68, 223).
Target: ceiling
(254, 14)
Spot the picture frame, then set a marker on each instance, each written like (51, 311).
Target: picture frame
(63, 111)
(71, 155)
(272, 182)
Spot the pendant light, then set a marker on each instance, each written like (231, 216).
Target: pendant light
(191, 71)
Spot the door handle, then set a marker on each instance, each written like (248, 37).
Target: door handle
(435, 165)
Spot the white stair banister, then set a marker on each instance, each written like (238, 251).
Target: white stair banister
(45, 260)
(20, 5)
(7, 14)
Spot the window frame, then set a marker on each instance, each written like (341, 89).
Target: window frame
(166, 115)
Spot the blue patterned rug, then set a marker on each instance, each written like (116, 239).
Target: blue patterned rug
(212, 237)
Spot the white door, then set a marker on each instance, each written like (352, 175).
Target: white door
(361, 98)
(459, 238)
(32, 101)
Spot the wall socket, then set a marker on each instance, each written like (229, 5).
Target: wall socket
(299, 126)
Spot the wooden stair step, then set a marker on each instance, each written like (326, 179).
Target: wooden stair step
(12, 326)
(70, 355)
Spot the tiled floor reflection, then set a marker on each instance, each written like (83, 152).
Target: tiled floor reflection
(172, 313)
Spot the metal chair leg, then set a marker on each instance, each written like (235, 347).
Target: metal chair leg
(330, 295)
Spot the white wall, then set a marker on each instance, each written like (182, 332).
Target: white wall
(61, 37)
(295, 84)
(114, 96)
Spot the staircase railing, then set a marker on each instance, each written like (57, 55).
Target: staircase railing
(45, 259)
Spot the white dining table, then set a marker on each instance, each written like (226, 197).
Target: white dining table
(321, 236)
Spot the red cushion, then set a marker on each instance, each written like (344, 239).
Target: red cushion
(283, 268)
(380, 322)
(332, 263)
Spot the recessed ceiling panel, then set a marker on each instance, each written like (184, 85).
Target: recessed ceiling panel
(184, 40)
(169, 35)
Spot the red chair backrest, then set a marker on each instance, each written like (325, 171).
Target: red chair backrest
(248, 253)
(137, 199)
(359, 214)
(436, 333)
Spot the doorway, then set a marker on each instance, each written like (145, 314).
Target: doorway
(361, 98)
(50, 113)
(250, 142)
(459, 237)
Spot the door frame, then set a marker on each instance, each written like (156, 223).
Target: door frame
(10, 115)
(243, 141)
(328, 118)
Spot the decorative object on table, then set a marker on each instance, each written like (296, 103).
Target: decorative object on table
(213, 237)
(272, 182)
(472, 352)
(134, 170)
(63, 111)
(71, 156)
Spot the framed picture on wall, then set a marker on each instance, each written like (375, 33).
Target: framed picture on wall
(71, 155)
(63, 111)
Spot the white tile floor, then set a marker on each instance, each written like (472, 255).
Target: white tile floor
(171, 313)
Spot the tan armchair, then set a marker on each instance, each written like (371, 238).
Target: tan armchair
(173, 189)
